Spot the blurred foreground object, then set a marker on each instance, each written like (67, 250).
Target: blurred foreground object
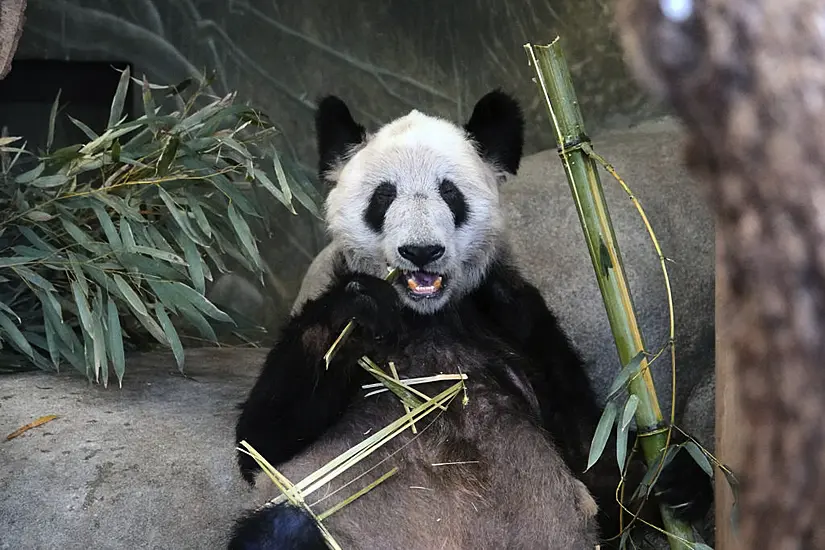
(11, 27)
(748, 79)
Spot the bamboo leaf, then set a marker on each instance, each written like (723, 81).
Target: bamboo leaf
(7, 140)
(115, 337)
(264, 180)
(12, 261)
(194, 262)
(13, 334)
(120, 98)
(47, 182)
(108, 226)
(158, 239)
(101, 366)
(244, 235)
(32, 174)
(601, 435)
(127, 237)
(629, 371)
(52, 119)
(168, 155)
(39, 216)
(52, 343)
(82, 307)
(654, 470)
(197, 212)
(8, 310)
(85, 129)
(621, 445)
(198, 321)
(629, 410)
(74, 265)
(622, 429)
(282, 181)
(180, 217)
(131, 296)
(148, 100)
(153, 328)
(700, 457)
(115, 152)
(121, 206)
(191, 296)
(79, 235)
(35, 279)
(701, 546)
(171, 335)
(35, 240)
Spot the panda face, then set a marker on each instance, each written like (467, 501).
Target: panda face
(420, 195)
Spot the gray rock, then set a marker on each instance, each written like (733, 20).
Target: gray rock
(149, 466)
(549, 244)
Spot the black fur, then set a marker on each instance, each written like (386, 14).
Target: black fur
(454, 198)
(497, 128)
(303, 400)
(380, 202)
(336, 131)
(281, 527)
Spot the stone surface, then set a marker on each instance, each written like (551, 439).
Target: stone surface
(147, 466)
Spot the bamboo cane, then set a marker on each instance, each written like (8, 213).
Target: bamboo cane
(556, 88)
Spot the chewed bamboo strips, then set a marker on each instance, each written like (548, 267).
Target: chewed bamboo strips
(358, 494)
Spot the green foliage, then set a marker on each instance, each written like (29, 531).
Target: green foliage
(109, 244)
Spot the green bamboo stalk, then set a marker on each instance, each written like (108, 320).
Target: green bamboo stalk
(556, 87)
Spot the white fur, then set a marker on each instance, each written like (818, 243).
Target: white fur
(415, 153)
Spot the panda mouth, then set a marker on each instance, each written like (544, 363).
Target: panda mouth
(423, 284)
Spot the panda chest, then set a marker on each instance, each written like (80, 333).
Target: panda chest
(430, 351)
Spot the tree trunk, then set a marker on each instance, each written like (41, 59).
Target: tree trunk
(748, 79)
(11, 27)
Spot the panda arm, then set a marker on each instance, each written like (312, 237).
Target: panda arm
(296, 398)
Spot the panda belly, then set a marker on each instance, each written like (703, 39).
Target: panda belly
(480, 476)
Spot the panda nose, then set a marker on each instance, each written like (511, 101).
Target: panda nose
(421, 255)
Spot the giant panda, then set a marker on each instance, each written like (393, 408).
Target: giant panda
(506, 468)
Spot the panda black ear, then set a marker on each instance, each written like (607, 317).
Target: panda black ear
(336, 132)
(497, 127)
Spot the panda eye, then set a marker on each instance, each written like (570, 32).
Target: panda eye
(455, 200)
(380, 202)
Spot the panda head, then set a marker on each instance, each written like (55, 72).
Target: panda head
(420, 194)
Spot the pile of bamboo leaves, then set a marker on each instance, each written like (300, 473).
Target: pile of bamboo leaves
(110, 243)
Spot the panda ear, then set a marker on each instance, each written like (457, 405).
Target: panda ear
(336, 133)
(497, 127)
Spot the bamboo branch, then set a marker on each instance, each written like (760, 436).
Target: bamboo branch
(556, 88)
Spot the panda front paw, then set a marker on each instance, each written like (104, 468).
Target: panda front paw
(685, 488)
(371, 302)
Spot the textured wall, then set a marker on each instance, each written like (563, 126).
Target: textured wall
(384, 56)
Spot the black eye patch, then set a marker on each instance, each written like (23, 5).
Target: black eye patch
(455, 200)
(380, 202)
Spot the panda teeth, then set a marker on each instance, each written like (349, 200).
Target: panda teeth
(413, 285)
